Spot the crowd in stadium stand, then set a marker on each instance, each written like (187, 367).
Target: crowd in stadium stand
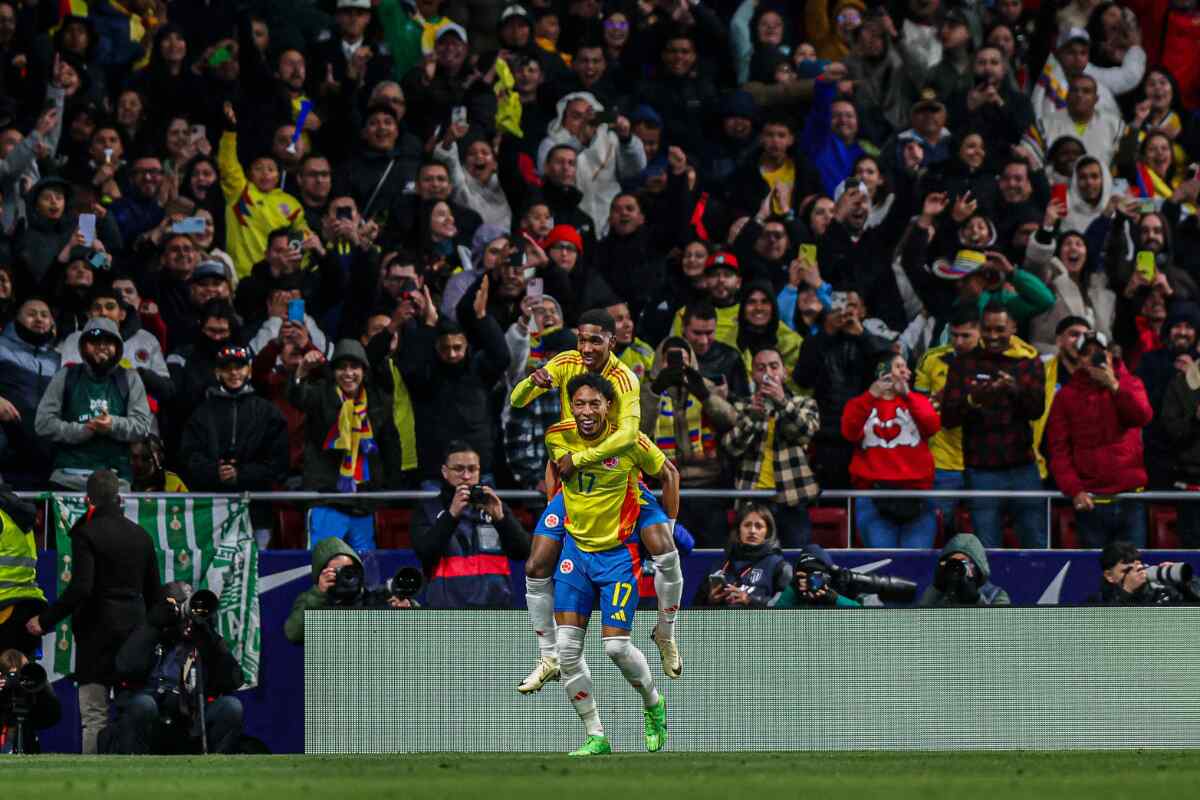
(249, 245)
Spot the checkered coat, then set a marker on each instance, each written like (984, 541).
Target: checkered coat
(796, 420)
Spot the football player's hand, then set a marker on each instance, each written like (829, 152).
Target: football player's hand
(566, 467)
(542, 378)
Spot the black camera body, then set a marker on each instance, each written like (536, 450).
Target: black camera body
(349, 588)
(477, 497)
(958, 580)
(847, 582)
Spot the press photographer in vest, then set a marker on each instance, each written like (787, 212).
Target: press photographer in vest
(465, 537)
(176, 678)
(754, 572)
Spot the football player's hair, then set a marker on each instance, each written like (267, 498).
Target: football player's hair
(592, 381)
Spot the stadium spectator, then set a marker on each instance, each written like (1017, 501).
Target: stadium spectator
(1125, 582)
(685, 415)
(350, 440)
(717, 361)
(892, 426)
(995, 396)
(771, 432)
(28, 362)
(465, 537)
(146, 459)
(946, 445)
(114, 581)
(235, 440)
(1179, 420)
(92, 410)
(1157, 368)
(156, 708)
(962, 577)
(754, 572)
(1095, 448)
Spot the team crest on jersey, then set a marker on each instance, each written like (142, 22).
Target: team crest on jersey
(755, 575)
(567, 566)
(142, 356)
(552, 520)
(611, 462)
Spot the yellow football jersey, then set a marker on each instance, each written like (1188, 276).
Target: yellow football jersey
(603, 501)
(625, 414)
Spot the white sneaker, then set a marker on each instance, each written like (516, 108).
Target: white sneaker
(545, 671)
(668, 651)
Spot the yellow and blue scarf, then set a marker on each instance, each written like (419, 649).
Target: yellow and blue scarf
(351, 433)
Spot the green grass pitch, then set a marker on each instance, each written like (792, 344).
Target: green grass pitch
(732, 776)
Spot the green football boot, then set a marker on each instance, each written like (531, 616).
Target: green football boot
(656, 726)
(594, 746)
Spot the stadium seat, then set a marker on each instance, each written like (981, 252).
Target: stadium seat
(1162, 533)
(291, 531)
(1064, 533)
(392, 528)
(830, 526)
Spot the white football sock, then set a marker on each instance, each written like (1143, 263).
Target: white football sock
(577, 678)
(633, 665)
(539, 597)
(668, 585)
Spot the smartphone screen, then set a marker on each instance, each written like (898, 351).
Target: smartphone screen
(87, 226)
(296, 311)
(808, 252)
(1058, 194)
(1146, 266)
(534, 287)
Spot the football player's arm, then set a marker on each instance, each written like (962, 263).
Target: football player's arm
(534, 384)
(626, 434)
(668, 475)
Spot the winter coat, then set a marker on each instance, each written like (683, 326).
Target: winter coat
(362, 173)
(631, 266)
(325, 551)
(486, 199)
(893, 440)
(1094, 436)
(25, 370)
(1178, 420)
(114, 579)
(837, 367)
(600, 166)
(243, 426)
(989, 593)
(453, 401)
(698, 465)
(1092, 300)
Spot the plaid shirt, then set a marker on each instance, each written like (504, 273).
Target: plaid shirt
(795, 423)
(998, 435)
(525, 438)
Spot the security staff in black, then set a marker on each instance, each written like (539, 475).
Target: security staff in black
(114, 579)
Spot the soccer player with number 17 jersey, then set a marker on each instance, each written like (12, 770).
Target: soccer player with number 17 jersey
(600, 560)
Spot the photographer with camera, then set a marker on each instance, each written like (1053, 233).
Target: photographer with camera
(1126, 581)
(465, 537)
(962, 577)
(813, 583)
(27, 703)
(176, 679)
(754, 571)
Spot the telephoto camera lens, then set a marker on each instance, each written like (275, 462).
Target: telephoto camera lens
(1169, 573)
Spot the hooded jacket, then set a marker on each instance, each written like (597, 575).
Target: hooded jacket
(325, 551)
(689, 438)
(239, 425)
(1092, 300)
(486, 199)
(989, 593)
(600, 166)
(1080, 213)
(1094, 436)
(775, 334)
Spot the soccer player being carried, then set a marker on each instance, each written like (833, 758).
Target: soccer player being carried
(600, 556)
(596, 331)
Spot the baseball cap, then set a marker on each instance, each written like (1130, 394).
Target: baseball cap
(722, 260)
(454, 28)
(1073, 35)
(928, 99)
(232, 355)
(515, 10)
(365, 5)
(209, 269)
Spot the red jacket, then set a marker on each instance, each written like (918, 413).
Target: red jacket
(892, 440)
(1094, 437)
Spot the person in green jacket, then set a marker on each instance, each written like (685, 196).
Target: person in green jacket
(328, 557)
(962, 577)
(799, 594)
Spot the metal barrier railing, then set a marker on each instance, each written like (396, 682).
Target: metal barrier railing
(1050, 497)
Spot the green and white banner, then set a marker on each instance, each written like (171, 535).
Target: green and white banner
(207, 542)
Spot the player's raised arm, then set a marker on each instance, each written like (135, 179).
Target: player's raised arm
(628, 424)
(532, 387)
(668, 475)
